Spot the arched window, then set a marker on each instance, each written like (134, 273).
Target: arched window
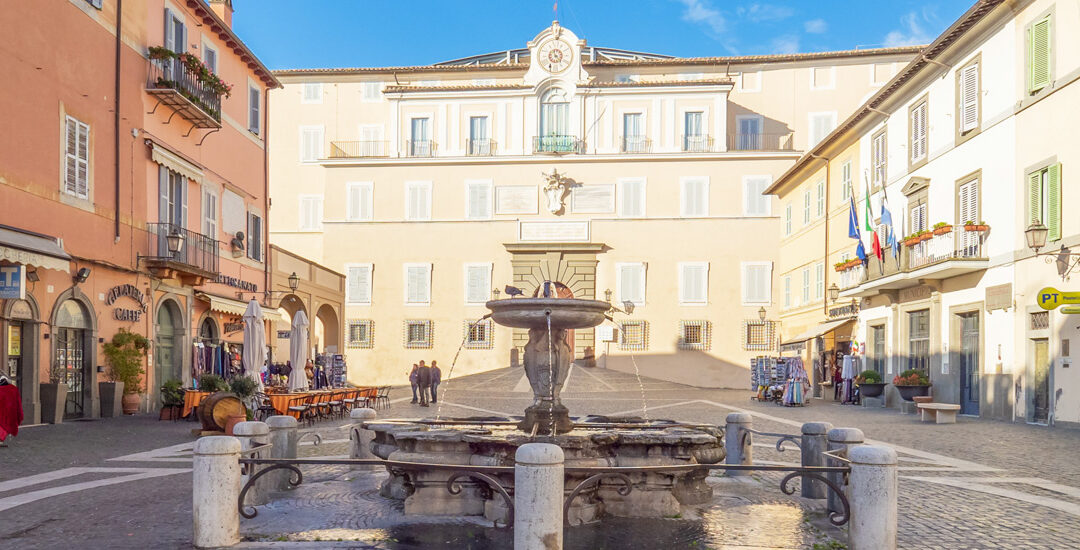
(554, 113)
(72, 315)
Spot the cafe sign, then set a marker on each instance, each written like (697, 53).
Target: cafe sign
(126, 291)
(237, 282)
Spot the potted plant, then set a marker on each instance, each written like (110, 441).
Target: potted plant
(124, 354)
(172, 400)
(54, 396)
(912, 239)
(840, 266)
(911, 383)
(870, 383)
(212, 383)
(925, 235)
(972, 226)
(941, 228)
(243, 387)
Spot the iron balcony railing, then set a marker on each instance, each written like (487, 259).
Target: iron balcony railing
(420, 148)
(761, 142)
(173, 75)
(958, 244)
(636, 144)
(697, 143)
(480, 147)
(558, 144)
(357, 149)
(196, 251)
(852, 276)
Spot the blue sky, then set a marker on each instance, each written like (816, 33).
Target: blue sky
(365, 33)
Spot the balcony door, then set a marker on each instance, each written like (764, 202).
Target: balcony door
(479, 142)
(175, 40)
(633, 133)
(172, 207)
(420, 135)
(748, 135)
(693, 130)
(969, 363)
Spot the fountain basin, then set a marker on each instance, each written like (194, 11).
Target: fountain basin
(566, 313)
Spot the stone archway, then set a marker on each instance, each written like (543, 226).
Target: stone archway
(169, 345)
(22, 319)
(74, 331)
(331, 330)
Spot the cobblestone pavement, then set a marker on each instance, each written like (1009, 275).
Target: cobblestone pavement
(126, 482)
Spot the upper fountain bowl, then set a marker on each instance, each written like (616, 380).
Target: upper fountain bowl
(566, 313)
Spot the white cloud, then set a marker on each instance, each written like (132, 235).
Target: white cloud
(816, 26)
(788, 43)
(700, 12)
(912, 29)
(764, 12)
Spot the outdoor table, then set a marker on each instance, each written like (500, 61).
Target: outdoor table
(192, 399)
(282, 402)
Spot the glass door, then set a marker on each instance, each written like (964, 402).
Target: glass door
(969, 363)
(69, 358)
(1041, 398)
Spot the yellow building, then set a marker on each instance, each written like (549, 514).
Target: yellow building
(615, 173)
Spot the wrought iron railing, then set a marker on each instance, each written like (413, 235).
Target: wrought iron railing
(420, 148)
(558, 144)
(196, 250)
(852, 276)
(697, 143)
(480, 147)
(357, 149)
(760, 142)
(636, 144)
(173, 74)
(956, 244)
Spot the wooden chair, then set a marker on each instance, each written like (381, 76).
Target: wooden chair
(264, 408)
(303, 408)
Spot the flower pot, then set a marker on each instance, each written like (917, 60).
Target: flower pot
(911, 241)
(871, 389)
(926, 237)
(170, 412)
(908, 392)
(976, 227)
(231, 422)
(53, 402)
(943, 230)
(112, 393)
(131, 403)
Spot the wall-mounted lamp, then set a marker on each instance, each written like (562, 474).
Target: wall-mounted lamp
(294, 281)
(82, 275)
(834, 292)
(175, 241)
(607, 295)
(494, 294)
(761, 313)
(32, 276)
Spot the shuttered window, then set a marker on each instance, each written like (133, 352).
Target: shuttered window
(76, 158)
(756, 282)
(312, 92)
(967, 202)
(787, 220)
(631, 283)
(694, 283)
(1044, 199)
(358, 284)
(755, 201)
(819, 281)
(254, 108)
(632, 197)
(210, 213)
(370, 91)
(1039, 52)
(254, 237)
(806, 207)
(969, 98)
(311, 143)
(418, 200)
(805, 285)
(358, 195)
(821, 198)
(418, 284)
(477, 283)
(787, 291)
(478, 200)
(918, 218)
(695, 197)
(821, 124)
(311, 212)
(879, 156)
(918, 132)
(845, 180)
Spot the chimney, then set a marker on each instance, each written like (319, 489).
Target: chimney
(223, 9)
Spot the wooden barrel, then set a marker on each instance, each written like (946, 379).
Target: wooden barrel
(216, 409)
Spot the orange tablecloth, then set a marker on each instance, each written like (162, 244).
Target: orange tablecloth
(282, 402)
(192, 399)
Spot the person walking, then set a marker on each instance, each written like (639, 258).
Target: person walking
(436, 379)
(424, 380)
(414, 380)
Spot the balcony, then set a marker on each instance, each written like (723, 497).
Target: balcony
(636, 144)
(852, 276)
(196, 257)
(558, 144)
(357, 149)
(182, 89)
(697, 143)
(761, 142)
(420, 148)
(480, 147)
(942, 256)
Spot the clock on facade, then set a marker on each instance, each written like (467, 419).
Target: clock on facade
(555, 55)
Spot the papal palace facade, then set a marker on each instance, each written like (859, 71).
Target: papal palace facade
(620, 175)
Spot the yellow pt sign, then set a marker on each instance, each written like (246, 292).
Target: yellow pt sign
(1050, 298)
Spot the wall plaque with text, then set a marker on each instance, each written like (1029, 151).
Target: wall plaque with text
(593, 199)
(516, 199)
(548, 232)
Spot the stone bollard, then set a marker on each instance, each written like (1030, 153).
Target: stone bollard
(738, 443)
(873, 496)
(215, 489)
(360, 436)
(251, 435)
(815, 440)
(538, 497)
(842, 439)
(283, 438)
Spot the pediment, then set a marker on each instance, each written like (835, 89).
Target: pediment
(914, 185)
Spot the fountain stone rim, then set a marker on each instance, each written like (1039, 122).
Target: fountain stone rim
(565, 313)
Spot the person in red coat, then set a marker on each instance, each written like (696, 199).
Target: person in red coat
(11, 414)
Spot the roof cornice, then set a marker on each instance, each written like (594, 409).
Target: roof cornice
(203, 10)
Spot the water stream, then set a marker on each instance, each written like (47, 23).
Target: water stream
(450, 373)
(551, 375)
(644, 403)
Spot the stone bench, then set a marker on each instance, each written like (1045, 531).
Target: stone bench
(941, 413)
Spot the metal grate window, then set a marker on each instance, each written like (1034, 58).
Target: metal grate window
(1040, 320)
(634, 336)
(758, 335)
(695, 335)
(361, 334)
(479, 335)
(418, 334)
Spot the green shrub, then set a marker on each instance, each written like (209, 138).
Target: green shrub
(124, 354)
(243, 386)
(212, 383)
(870, 377)
(172, 393)
(912, 377)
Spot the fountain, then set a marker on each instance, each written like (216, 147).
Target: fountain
(590, 441)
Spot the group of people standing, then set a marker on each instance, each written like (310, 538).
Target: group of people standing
(425, 379)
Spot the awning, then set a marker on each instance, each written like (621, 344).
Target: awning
(235, 307)
(175, 162)
(32, 249)
(817, 331)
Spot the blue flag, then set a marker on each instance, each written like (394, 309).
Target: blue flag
(886, 219)
(860, 251)
(853, 221)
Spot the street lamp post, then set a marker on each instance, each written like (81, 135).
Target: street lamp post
(1036, 235)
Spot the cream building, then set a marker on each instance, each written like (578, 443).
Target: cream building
(974, 130)
(611, 172)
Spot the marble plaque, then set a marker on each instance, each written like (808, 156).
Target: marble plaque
(516, 199)
(593, 199)
(999, 297)
(548, 232)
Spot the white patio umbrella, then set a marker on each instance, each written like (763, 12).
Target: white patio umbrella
(298, 352)
(254, 342)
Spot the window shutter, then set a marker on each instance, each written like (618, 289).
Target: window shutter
(821, 198)
(819, 281)
(632, 198)
(71, 161)
(1039, 55)
(183, 183)
(1053, 202)
(253, 109)
(631, 282)
(417, 283)
(478, 283)
(1034, 197)
(918, 132)
(969, 202)
(695, 284)
(83, 160)
(969, 98)
(353, 202)
(359, 284)
(479, 202)
(163, 194)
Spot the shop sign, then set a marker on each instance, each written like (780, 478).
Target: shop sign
(236, 282)
(129, 291)
(21, 310)
(284, 334)
(846, 310)
(14, 340)
(13, 282)
(235, 326)
(1050, 298)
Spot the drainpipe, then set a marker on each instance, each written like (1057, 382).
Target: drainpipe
(116, 117)
(266, 193)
